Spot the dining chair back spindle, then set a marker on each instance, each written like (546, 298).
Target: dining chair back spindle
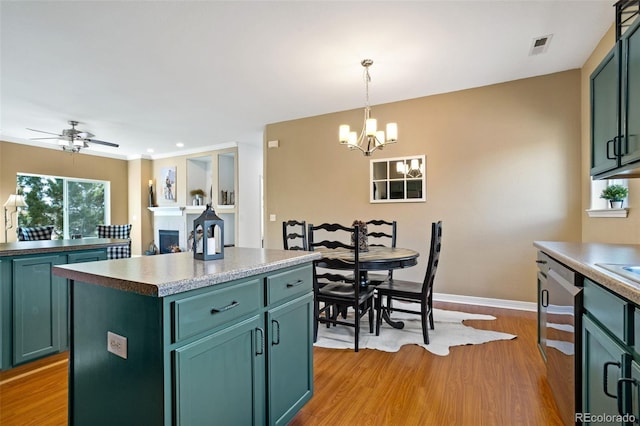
(381, 233)
(336, 283)
(408, 291)
(294, 235)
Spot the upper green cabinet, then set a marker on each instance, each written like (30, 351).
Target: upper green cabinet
(631, 95)
(605, 107)
(615, 110)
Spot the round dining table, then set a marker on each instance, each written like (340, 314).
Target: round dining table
(376, 258)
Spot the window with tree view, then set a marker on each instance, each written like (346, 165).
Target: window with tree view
(75, 207)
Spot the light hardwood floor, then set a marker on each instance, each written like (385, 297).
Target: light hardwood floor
(497, 383)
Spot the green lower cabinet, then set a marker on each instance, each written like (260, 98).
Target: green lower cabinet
(39, 308)
(219, 379)
(605, 363)
(290, 367)
(633, 387)
(34, 305)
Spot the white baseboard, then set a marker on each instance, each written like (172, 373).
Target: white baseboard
(485, 301)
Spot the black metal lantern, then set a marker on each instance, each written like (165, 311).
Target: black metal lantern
(208, 229)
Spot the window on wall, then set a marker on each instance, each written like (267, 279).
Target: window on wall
(395, 180)
(599, 206)
(73, 206)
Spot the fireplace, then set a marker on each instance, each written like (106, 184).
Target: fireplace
(168, 239)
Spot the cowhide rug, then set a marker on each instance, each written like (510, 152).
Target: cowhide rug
(449, 331)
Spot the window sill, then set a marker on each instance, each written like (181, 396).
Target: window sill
(608, 212)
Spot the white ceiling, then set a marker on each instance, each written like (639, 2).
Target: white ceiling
(150, 74)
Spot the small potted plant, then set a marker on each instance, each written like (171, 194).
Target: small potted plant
(615, 194)
(198, 194)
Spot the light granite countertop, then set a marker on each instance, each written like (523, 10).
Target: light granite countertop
(168, 274)
(53, 246)
(584, 257)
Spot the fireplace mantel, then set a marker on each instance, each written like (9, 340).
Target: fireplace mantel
(176, 210)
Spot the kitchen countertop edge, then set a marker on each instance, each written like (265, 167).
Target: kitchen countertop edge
(173, 286)
(584, 257)
(55, 246)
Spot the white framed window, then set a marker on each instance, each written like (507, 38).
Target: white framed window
(599, 206)
(398, 180)
(75, 207)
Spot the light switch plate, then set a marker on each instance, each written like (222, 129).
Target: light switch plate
(272, 217)
(117, 344)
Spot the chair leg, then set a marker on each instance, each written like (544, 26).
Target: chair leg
(370, 303)
(378, 314)
(357, 327)
(431, 319)
(316, 315)
(425, 325)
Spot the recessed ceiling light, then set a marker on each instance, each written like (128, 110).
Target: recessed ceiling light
(149, 150)
(179, 144)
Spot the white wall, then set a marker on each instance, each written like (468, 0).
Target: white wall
(249, 182)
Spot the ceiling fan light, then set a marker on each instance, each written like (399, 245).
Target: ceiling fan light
(63, 142)
(78, 143)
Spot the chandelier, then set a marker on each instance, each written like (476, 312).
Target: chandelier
(370, 137)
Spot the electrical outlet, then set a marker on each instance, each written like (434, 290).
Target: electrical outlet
(117, 344)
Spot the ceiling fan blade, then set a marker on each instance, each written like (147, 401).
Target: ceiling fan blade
(115, 145)
(42, 131)
(37, 139)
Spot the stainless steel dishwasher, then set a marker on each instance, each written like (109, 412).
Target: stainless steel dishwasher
(560, 333)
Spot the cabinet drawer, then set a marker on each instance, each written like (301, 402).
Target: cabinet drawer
(610, 310)
(288, 284)
(87, 256)
(206, 311)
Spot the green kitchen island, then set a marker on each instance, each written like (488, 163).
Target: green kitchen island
(170, 340)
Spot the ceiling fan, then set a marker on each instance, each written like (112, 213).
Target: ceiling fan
(73, 139)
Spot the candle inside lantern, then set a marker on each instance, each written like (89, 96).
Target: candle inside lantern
(211, 245)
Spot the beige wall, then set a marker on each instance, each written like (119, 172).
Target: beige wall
(140, 172)
(610, 230)
(503, 166)
(17, 158)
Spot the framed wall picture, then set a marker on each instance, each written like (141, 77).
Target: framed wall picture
(168, 180)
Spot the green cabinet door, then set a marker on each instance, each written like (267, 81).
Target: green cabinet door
(290, 341)
(605, 101)
(604, 363)
(39, 308)
(631, 94)
(220, 379)
(633, 386)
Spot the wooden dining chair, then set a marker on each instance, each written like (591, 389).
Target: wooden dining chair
(381, 233)
(408, 291)
(294, 235)
(335, 282)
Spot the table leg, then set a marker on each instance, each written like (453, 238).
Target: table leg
(395, 324)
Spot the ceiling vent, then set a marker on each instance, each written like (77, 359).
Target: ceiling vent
(540, 44)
